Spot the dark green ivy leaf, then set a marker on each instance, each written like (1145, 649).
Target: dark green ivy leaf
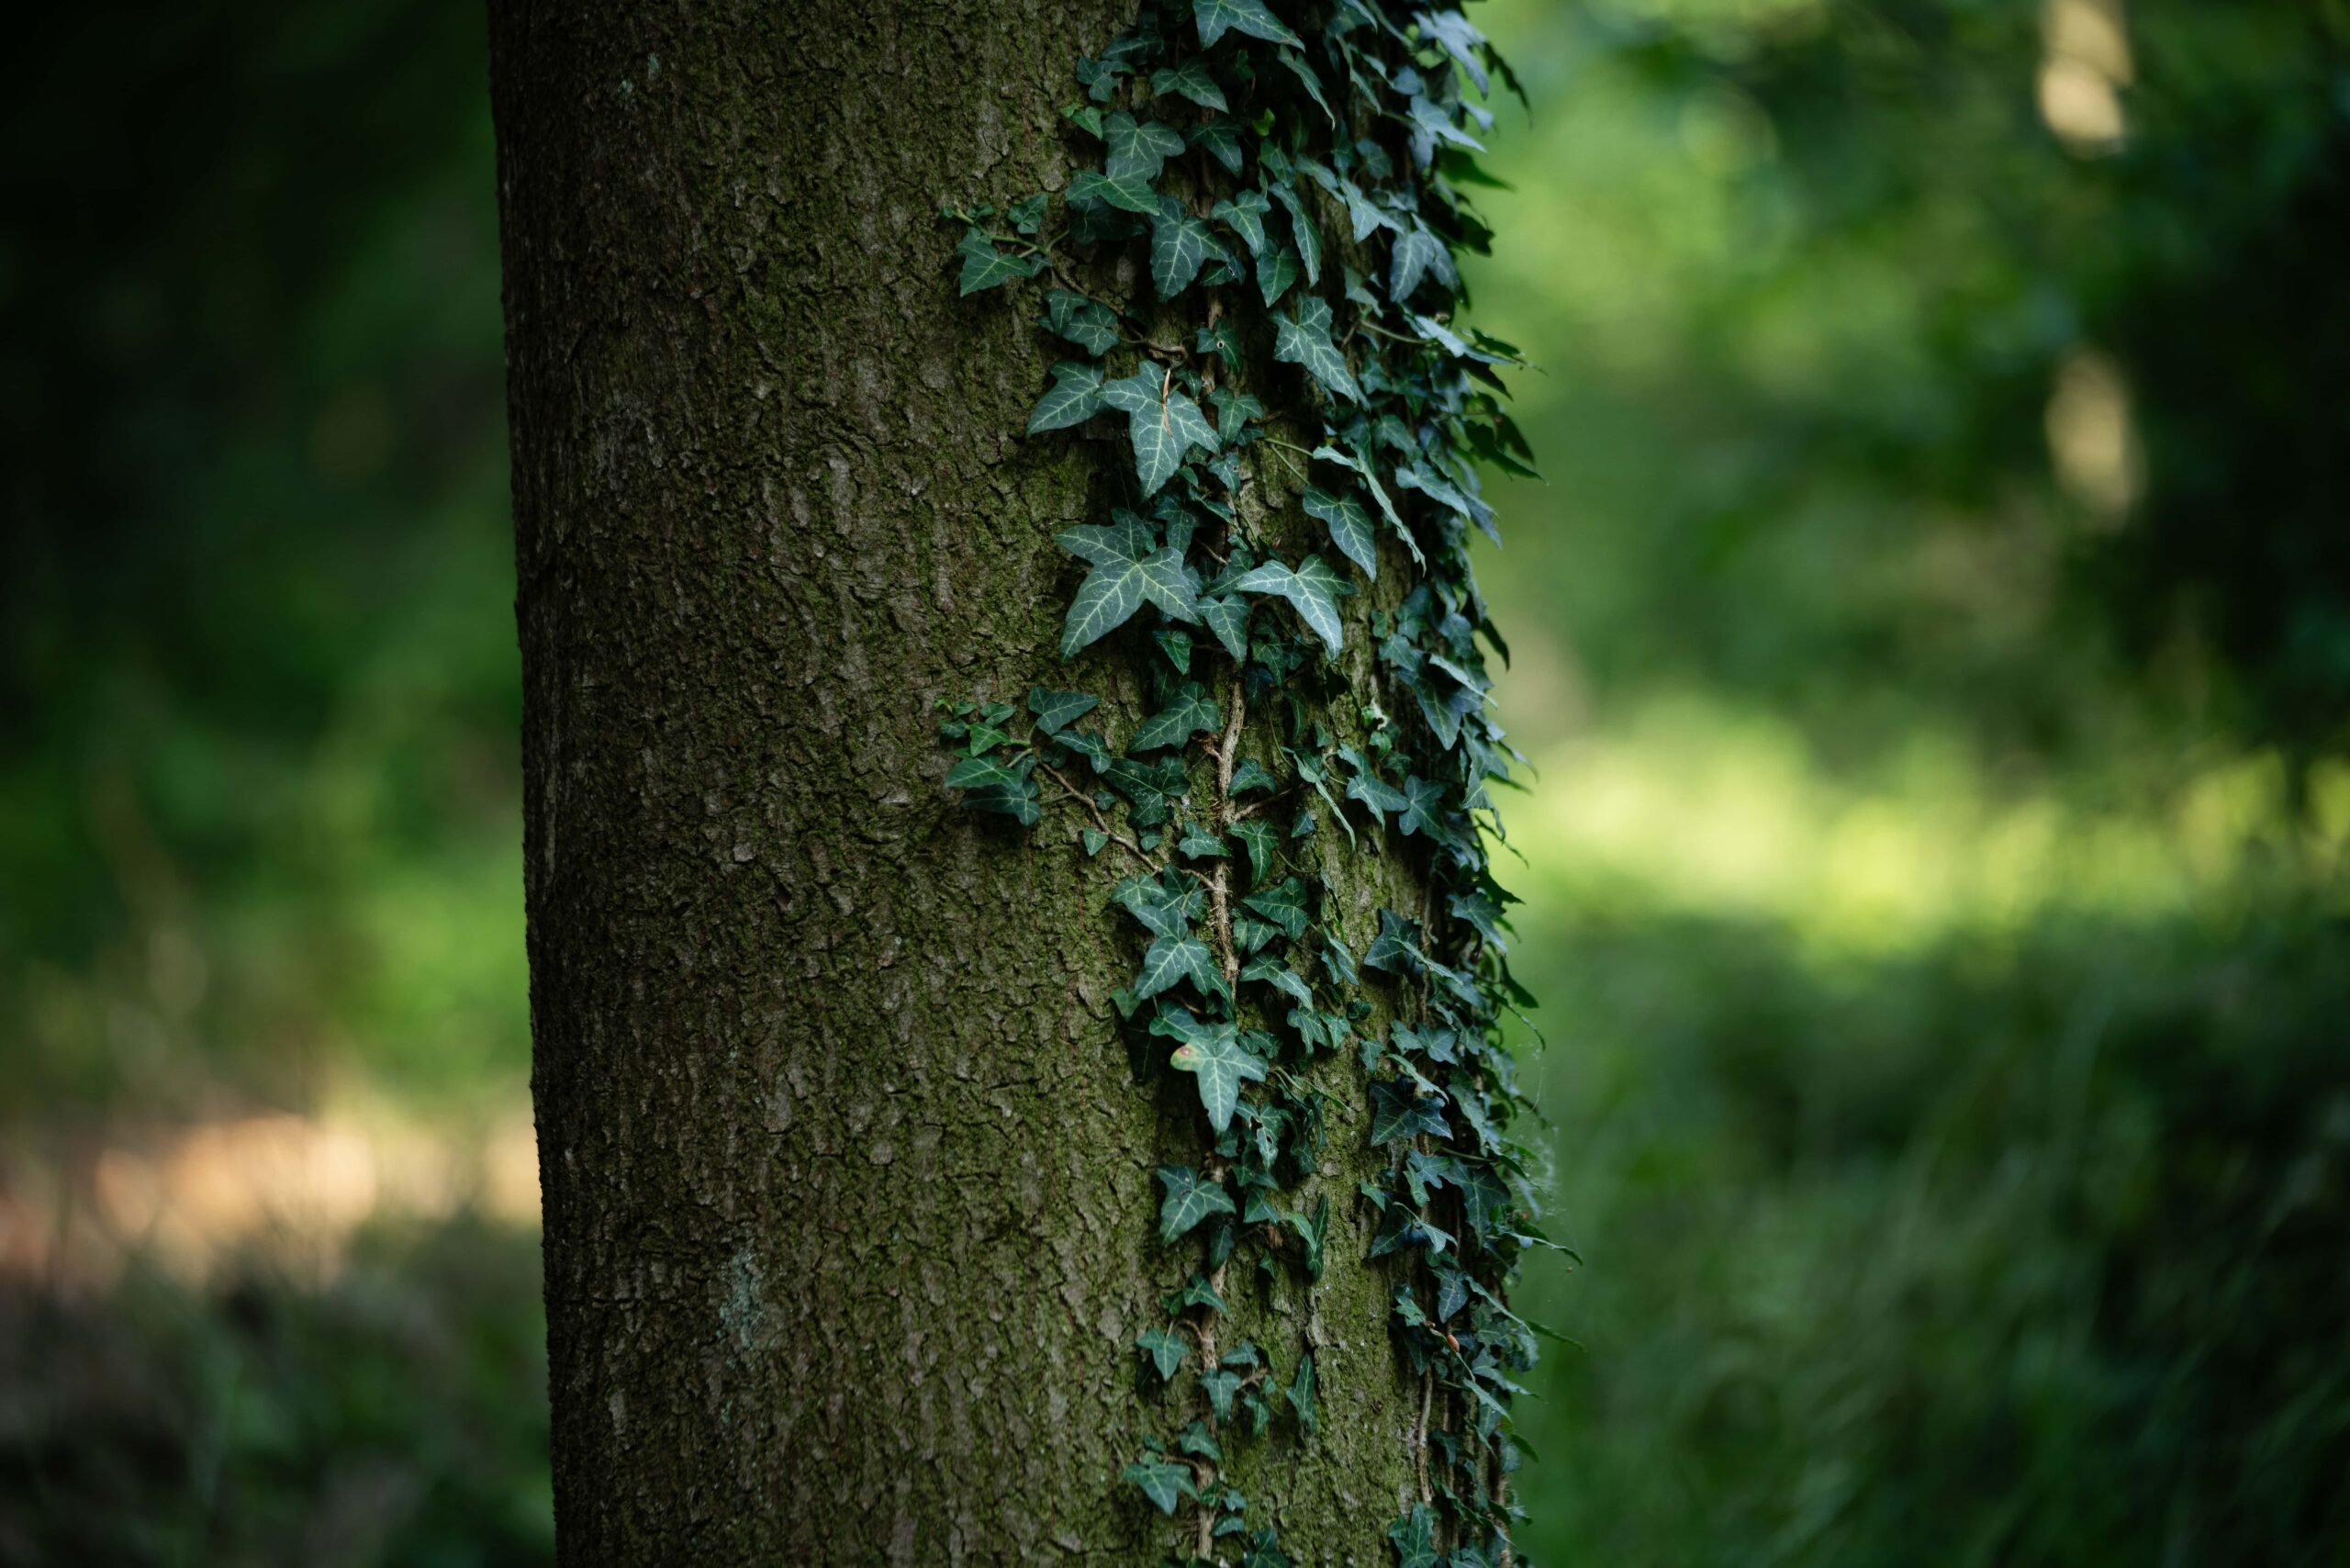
(1220, 1064)
(1163, 423)
(991, 786)
(984, 266)
(1215, 17)
(1375, 792)
(1125, 572)
(1198, 1441)
(1250, 775)
(1138, 149)
(1189, 1201)
(1350, 525)
(1283, 905)
(1088, 323)
(1415, 1538)
(1170, 960)
(1396, 1113)
(1129, 194)
(1166, 1349)
(1416, 251)
(1058, 709)
(1259, 839)
(1218, 138)
(1220, 1387)
(1161, 912)
(1228, 617)
(1396, 948)
(1165, 1482)
(1189, 80)
(1264, 1550)
(1309, 238)
(1074, 396)
(1244, 213)
(1300, 1396)
(1303, 339)
(1312, 589)
(1180, 244)
(1313, 83)
(1276, 270)
(1192, 712)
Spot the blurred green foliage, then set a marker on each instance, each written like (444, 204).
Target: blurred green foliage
(1935, 638)
(393, 1414)
(258, 773)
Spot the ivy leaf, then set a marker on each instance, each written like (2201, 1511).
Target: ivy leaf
(1166, 1349)
(1233, 409)
(1280, 977)
(1168, 1481)
(1228, 617)
(1416, 251)
(1249, 16)
(1303, 339)
(1220, 1387)
(1220, 1064)
(1366, 216)
(1375, 792)
(1309, 238)
(1198, 1441)
(1056, 711)
(1170, 960)
(1189, 1201)
(1090, 324)
(1163, 423)
(1179, 245)
(984, 266)
(1259, 839)
(1192, 712)
(1161, 912)
(1312, 589)
(1396, 948)
(1074, 397)
(1350, 528)
(1129, 192)
(1085, 117)
(1138, 149)
(1305, 75)
(1283, 905)
(1414, 1536)
(1396, 1113)
(1263, 1550)
(1300, 1396)
(1189, 80)
(1423, 801)
(1125, 572)
(1245, 214)
(1311, 1235)
(1276, 270)
(1250, 775)
(1219, 138)
(991, 786)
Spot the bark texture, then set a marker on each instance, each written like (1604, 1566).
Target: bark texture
(847, 1176)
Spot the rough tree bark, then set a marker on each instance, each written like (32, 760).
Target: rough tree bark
(847, 1178)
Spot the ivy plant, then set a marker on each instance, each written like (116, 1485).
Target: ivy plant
(1252, 283)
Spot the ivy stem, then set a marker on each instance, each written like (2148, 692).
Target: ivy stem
(1219, 887)
(1420, 1436)
(1101, 823)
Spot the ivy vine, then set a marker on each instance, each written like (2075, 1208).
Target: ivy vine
(1293, 185)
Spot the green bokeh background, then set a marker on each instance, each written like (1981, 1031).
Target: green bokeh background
(1931, 642)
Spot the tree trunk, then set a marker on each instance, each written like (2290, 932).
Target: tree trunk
(849, 1206)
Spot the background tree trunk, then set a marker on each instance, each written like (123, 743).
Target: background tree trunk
(847, 1178)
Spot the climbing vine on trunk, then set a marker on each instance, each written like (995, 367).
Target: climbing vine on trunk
(1291, 187)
